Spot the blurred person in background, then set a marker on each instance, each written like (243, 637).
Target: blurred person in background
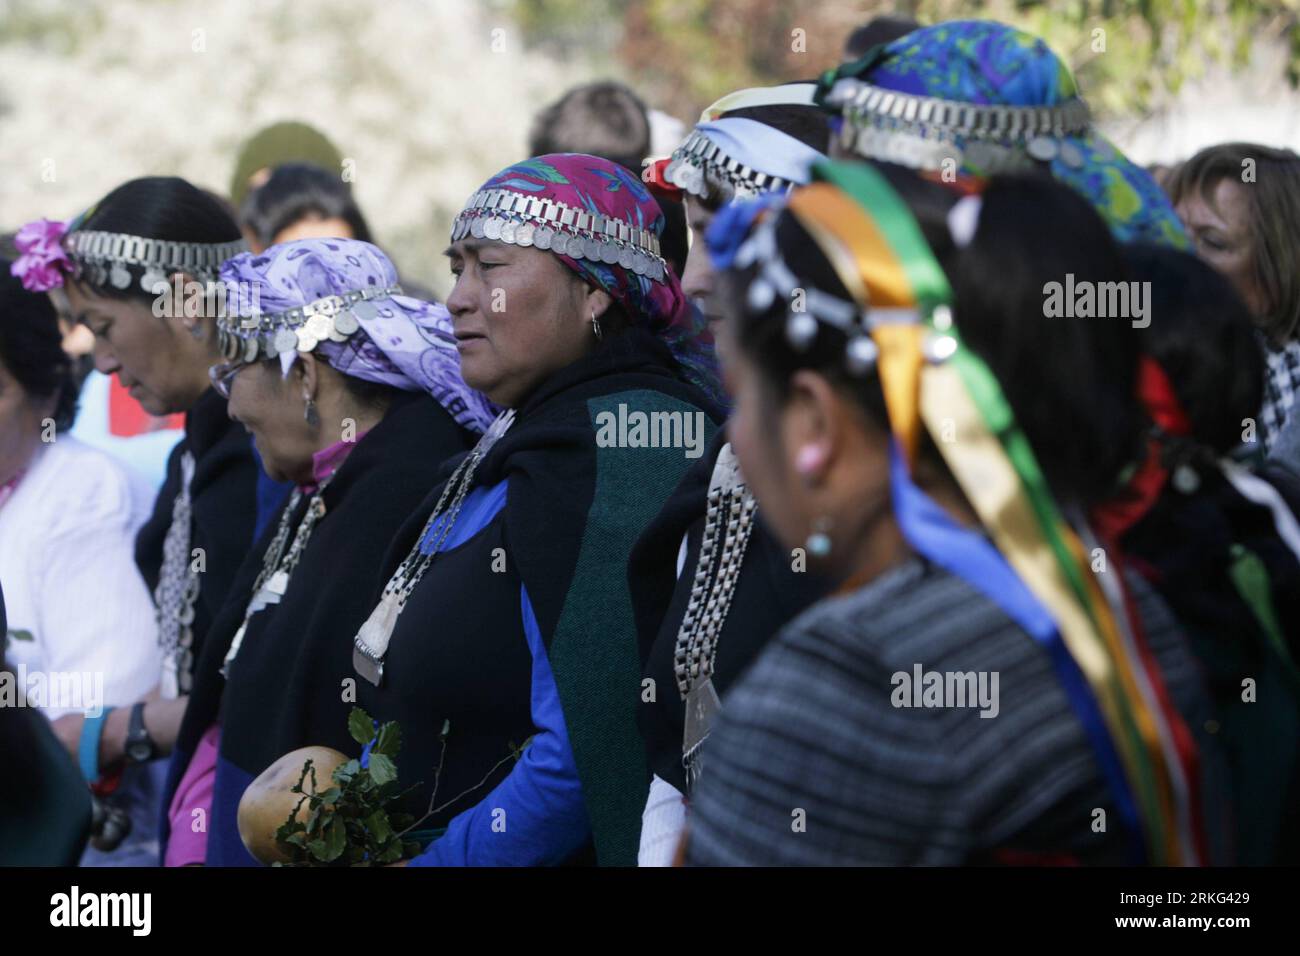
(301, 201)
(78, 608)
(608, 120)
(44, 804)
(1240, 203)
(1221, 544)
(874, 32)
(275, 145)
(108, 418)
(118, 264)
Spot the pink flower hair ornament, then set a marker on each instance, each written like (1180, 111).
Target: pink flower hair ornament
(42, 261)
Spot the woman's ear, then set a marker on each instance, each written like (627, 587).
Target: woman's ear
(192, 306)
(811, 424)
(308, 374)
(596, 303)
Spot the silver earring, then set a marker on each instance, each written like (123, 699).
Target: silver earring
(309, 413)
(595, 325)
(819, 542)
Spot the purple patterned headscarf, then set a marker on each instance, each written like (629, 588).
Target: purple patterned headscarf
(614, 259)
(402, 341)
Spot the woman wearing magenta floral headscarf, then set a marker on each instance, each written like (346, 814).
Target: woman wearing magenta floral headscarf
(331, 368)
(504, 642)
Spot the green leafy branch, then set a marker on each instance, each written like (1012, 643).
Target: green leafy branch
(350, 823)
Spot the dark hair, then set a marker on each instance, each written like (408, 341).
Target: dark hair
(876, 31)
(603, 119)
(372, 394)
(1201, 334)
(158, 207)
(763, 334)
(1274, 202)
(298, 191)
(674, 244)
(1069, 381)
(810, 125)
(31, 347)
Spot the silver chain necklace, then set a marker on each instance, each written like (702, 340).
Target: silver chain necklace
(371, 643)
(178, 589)
(710, 600)
(273, 580)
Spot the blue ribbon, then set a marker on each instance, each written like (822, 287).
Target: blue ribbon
(973, 558)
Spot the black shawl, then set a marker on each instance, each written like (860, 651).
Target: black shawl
(287, 685)
(768, 594)
(573, 512)
(223, 502)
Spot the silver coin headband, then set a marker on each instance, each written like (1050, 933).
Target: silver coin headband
(922, 132)
(703, 169)
(102, 258)
(503, 215)
(333, 319)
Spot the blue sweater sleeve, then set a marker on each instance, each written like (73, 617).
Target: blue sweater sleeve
(536, 815)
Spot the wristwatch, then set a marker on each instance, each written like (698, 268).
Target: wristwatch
(139, 745)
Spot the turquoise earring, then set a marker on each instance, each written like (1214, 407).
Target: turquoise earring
(819, 542)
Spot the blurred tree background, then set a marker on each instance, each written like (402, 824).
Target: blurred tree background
(683, 53)
(428, 97)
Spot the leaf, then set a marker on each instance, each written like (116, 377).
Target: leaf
(331, 796)
(382, 769)
(390, 739)
(317, 849)
(336, 840)
(360, 726)
(390, 854)
(377, 824)
(542, 170)
(345, 772)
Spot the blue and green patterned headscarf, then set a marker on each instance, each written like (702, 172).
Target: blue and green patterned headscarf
(991, 64)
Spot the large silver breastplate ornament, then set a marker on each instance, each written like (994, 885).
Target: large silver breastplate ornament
(728, 523)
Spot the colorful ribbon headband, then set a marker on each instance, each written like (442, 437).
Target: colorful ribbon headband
(1038, 572)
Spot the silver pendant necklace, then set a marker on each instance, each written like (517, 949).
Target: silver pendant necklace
(273, 580)
(371, 643)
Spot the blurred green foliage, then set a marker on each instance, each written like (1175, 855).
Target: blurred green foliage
(684, 53)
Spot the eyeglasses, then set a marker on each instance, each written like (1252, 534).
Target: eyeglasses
(223, 376)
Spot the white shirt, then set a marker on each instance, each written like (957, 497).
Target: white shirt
(82, 632)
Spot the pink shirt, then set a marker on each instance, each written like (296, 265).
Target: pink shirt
(188, 842)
